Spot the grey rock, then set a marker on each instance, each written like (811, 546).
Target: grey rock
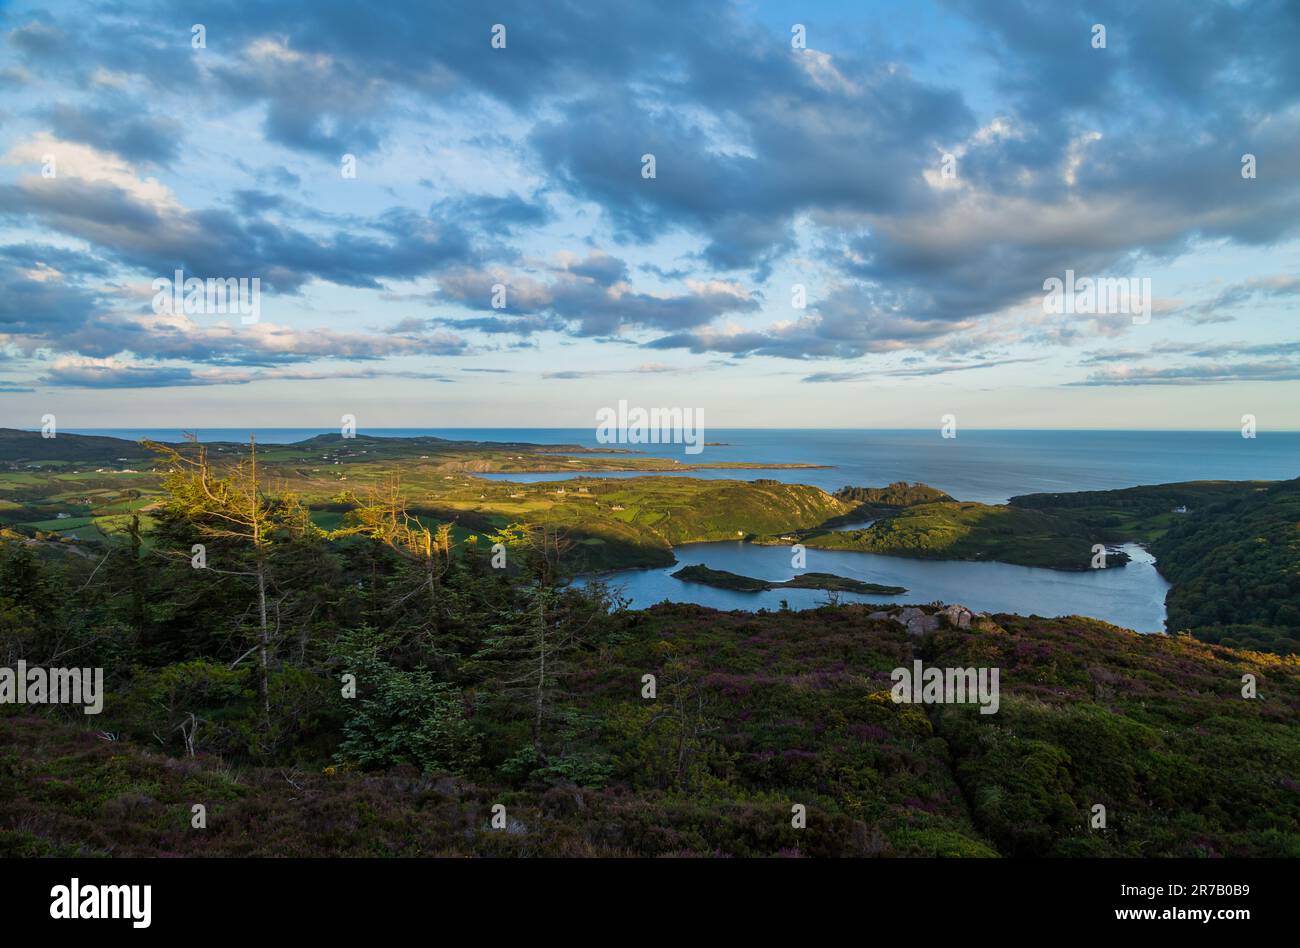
(922, 624)
(959, 617)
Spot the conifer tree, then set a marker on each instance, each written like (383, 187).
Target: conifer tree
(232, 509)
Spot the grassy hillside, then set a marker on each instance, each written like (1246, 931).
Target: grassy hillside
(970, 531)
(1236, 570)
(627, 522)
(1138, 513)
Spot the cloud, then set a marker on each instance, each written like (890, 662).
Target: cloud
(854, 319)
(649, 368)
(314, 101)
(224, 341)
(921, 370)
(141, 224)
(73, 372)
(120, 125)
(1197, 374)
(587, 297)
(46, 291)
(821, 165)
(1215, 363)
(1247, 292)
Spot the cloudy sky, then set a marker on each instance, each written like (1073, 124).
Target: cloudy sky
(127, 153)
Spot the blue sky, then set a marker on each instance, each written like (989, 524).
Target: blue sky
(775, 166)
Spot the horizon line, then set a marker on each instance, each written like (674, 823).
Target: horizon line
(376, 428)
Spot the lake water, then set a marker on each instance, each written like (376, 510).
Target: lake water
(985, 466)
(1132, 596)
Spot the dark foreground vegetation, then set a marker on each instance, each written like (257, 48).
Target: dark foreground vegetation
(754, 713)
(231, 686)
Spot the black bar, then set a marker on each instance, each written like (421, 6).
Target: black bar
(329, 897)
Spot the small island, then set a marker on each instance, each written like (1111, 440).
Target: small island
(828, 581)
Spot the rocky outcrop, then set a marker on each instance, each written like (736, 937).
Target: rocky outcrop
(959, 617)
(918, 621)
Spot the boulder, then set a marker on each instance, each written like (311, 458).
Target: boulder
(916, 621)
(959, 617)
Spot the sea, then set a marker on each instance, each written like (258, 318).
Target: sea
(989, 466)
(984, 466)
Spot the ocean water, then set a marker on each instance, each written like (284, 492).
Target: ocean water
(985, 466)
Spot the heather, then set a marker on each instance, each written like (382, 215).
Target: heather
(754, 712)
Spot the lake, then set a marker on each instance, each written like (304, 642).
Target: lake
(1132, 596)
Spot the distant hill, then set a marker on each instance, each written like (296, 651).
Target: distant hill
(898, 494)
(29, 446)
(18, 445)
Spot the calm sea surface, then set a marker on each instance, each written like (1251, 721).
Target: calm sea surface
(986, 466)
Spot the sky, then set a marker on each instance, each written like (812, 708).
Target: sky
(920, 170)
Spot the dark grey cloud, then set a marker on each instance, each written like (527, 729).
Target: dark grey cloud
(122, 375)
(436, 50)
(1170, 54)
(854, 319)
(587, 297)
(145, 42)
(485, 211)
(120, 125)
(799, 148)
(396, 244)
(314, 102)
(45, 291)
(219, 341)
